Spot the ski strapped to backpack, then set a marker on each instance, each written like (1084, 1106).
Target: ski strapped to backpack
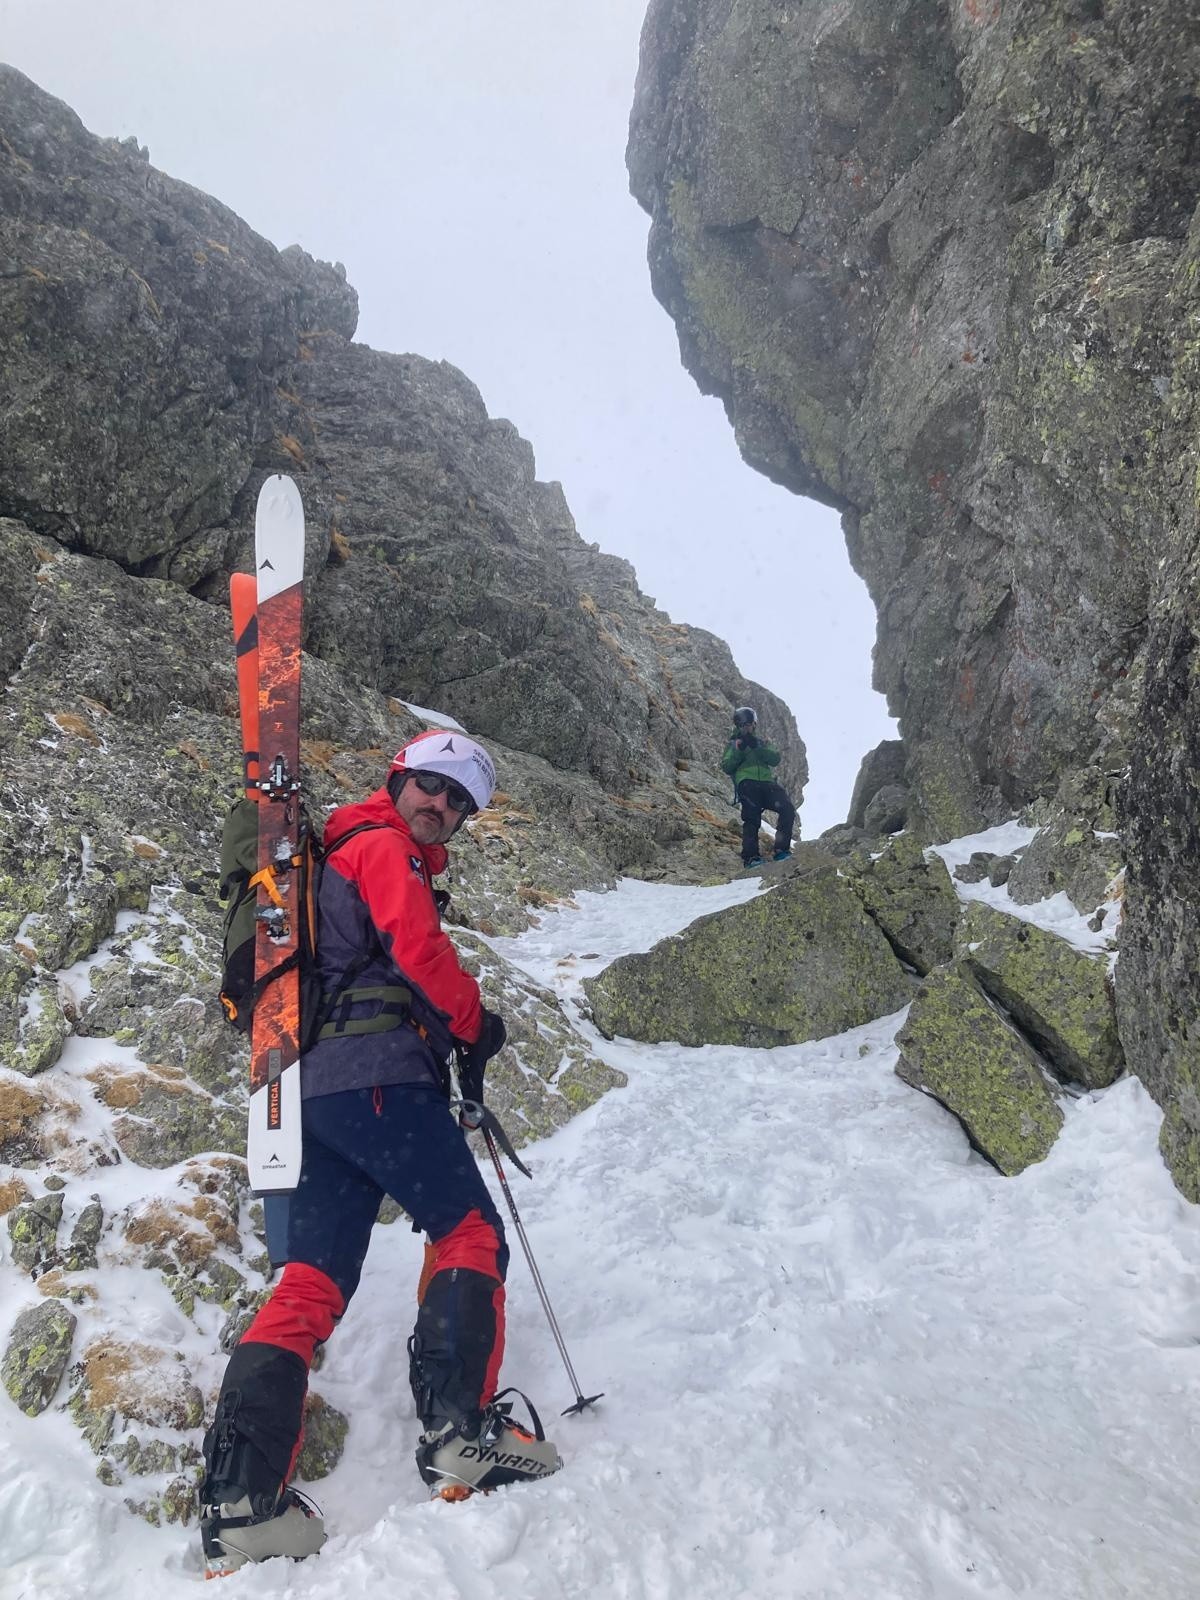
(321, 1016)
(269, 859)
(272, 858)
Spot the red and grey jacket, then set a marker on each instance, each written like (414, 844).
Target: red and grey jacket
(378, 927)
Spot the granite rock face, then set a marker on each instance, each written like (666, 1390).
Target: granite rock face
(1158, 999)
(928, 256)
(940, 262)
(152, 326)
(160, 359)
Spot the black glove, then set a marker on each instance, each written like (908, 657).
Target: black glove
(749, 742)
(475, 1057)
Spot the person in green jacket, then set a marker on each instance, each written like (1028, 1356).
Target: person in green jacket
(749, 761)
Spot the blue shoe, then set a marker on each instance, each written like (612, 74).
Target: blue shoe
(782, 855)
(754, 861)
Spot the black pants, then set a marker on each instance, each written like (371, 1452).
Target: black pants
(757, 796)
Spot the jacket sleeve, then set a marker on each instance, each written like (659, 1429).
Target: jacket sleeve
(733, 758)
(400, 903)
(769, 754)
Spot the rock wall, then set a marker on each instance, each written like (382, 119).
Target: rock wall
(931, 256)
(160, 359)
(939, 258)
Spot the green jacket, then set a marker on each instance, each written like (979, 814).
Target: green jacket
(754, 763)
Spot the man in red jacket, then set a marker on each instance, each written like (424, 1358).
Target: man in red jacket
(375, 1118)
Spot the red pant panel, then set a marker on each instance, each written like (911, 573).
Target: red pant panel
(472, 1243)
(300, 1314)
(491, 1377)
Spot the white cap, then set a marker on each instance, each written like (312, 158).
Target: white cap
(454, 756)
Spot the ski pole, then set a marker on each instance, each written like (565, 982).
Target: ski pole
(473, 1116)
(580, 1401)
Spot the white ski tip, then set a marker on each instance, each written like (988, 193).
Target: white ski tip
(278, 536)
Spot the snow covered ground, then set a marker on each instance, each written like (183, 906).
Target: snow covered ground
(1056, 914)
(841, 1356)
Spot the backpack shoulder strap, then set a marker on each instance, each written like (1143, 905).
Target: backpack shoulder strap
(395, 999)
(363, 960)
(327, 850)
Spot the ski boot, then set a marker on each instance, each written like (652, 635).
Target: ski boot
(246, 1514)
(484, 1451)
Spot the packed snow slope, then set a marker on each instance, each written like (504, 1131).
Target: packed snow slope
(841, 1356)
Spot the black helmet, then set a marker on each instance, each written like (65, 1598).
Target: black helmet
(744, 716)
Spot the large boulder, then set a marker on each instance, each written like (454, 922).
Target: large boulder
(799, 962)
(30, 1005)
(881, 768)
(955, 1046)
(33, 1233)
(1059, 996)
(887, 811)
(909, 894)
(80, 1253)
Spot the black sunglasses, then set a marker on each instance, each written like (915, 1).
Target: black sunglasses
(457, 797)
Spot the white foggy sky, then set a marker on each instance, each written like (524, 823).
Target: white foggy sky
(465, 160)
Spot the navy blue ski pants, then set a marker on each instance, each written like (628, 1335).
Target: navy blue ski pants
(359, 1145)
(364, 1143)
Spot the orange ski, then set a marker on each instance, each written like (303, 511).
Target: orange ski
(273, 1134)
(243, 604)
